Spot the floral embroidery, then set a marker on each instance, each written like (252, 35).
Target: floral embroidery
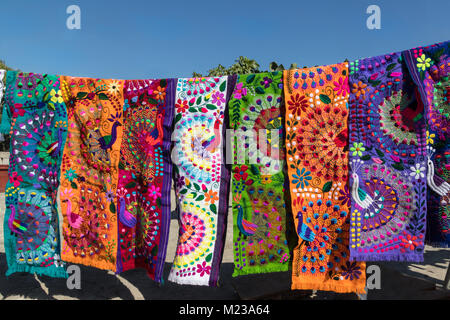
(317, 156)
(259, 210)
(387, 171)
(199, 179)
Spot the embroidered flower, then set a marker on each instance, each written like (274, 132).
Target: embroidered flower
(341, 87)
(266, 82)
(430, 137)
(179, 183)
(301, 178)
(70, 174)
(154, 192)
(423, 62)
(160, 93)
(56, 96)
(351, 271)
(360, 89)
(409, 242)
(15, 179)
(239, 91)
(66, 194)
(181, 105)
(114, 87)
(417, 171)
(344, 196)
(239, 173)
(203, 269)
(109, 196)
(218, 98)
(298, 104)
(211, 196)
(357, 149)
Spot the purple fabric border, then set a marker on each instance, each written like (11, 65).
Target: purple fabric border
(223, 193)
(167, 181)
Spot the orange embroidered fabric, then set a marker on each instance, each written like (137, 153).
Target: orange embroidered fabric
(89, 171)
(317, 158)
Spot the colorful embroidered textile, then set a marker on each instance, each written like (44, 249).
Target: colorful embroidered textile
(145, 176)
(317, 158)
(35, 115)
(388, 162)
(202, 179)
(259, 210)
(90, 170)
(430, 68)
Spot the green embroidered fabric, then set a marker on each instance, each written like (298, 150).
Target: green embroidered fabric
(259, 209)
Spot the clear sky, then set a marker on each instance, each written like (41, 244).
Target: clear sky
(171, 38)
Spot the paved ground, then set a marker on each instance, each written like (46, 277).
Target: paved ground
(398, 280)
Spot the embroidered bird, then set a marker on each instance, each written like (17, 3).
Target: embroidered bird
(106, 142)
(125, 216)
(156, 135)
(245, 227)
(212, 143)
(303, 230)
(74, 218)
(435, 182)
(359, 195)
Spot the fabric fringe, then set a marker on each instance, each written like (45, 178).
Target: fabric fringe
(53, 272)
(335, 287)
(258, 270)
(109, 266)
(188, 281)
(387, 257)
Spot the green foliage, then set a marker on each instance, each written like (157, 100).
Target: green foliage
(242, 65)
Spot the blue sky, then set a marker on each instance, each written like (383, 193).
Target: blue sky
(157, 39)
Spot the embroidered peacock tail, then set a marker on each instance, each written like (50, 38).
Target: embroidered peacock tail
(90, 170)
(35, 115)
(317, 159)
(430, 68)
(201, 178)
(387, 162)
(259, 209)
(145, 176)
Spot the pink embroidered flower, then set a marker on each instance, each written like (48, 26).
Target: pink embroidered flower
(15, 179)
(218, 98)
(154, 192)
(203, 269)
(341, 87)
(239, 91)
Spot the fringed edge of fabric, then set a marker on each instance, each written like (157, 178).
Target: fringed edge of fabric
(335, 287)
(111, 266)
(189, 281)
(416, 257)
(54, 272)
(258, 270)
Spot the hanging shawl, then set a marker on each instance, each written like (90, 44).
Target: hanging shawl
(202, 179)
(145, 176)
(259, 210)
(317, 157)
(34, 114)
(90, 171)
(388, 162)
(430, 68)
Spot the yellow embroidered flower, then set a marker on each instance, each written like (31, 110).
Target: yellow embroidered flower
(56, 96)
(430, 137)
(423, 62)
(113, 87)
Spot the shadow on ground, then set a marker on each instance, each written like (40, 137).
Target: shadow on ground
(398, 281)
